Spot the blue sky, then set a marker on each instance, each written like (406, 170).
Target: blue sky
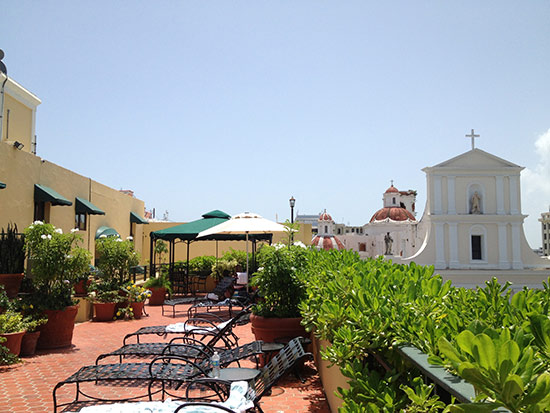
(237, 105)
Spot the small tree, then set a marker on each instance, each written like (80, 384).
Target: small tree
(116, 257)
(160, 250)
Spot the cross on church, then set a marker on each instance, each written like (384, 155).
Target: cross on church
(473, 136)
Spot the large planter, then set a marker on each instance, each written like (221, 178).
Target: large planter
(11, 283)
(271, 329)
(157, 295)
(13, 341)
(58, 331)
(28, 344)
(104, 311)
(137, 309)
(331, 377)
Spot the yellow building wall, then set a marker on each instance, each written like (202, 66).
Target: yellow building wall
(214, 248)
(19, 127)
(20, 171)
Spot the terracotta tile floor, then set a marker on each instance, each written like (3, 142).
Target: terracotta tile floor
(27, 387)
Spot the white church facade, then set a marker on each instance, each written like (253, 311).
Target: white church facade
(471, 229)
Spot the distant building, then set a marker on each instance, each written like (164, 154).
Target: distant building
(308, 219)
(325, 238)
(545, 227)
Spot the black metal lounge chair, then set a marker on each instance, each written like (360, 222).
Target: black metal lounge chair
(223, 329)
(283, 362)
(164, 369)
(222, 290)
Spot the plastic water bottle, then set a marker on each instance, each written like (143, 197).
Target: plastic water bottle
(215, 360)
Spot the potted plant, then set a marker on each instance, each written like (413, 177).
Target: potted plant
(277, 315)
(12, 260)
(158, 286)
(104, 295)
(136, 296)
(12, 328)
(56, 262)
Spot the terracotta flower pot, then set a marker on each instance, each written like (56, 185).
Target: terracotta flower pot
(137, 309)
(13, 341)
(104, 311)
(11, 283)
(157, 295)
(81, 288)
(58, 331)
(28, 344)
(272, 329)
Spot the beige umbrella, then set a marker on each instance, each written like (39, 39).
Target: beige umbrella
(245, 223)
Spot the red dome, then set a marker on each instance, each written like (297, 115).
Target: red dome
(327, 242)
(325, 217)
(391, 189)
(393, 214)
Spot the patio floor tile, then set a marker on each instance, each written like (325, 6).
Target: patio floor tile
(27, 387)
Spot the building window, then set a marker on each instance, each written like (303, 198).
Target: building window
(80, 221)
(40, 211)
(476, 247)
(393, 200)
(326, 229)
(339, 231)
(362, 247)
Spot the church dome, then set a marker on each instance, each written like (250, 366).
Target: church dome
(391, 189)
(327, 242)
(392, 214)
(325, 216)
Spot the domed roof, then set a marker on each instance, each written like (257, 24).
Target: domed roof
(392, 214)
(327, 242)
(325, 216)
(391, 189)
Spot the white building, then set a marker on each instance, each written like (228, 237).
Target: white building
(472, 226)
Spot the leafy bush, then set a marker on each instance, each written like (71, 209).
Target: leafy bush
(366, 309)
(279, 280)
(202, 265)
(116, 257)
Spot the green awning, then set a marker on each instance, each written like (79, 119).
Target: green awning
(2, 185)
(44, 194)
(83, 206)
(136, 219)
(107, 231)
(189, 231)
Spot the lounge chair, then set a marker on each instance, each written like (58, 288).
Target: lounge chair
(283, 362)
(223, 289)
(185, 328)
(166, 369)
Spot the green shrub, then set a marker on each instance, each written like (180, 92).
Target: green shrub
(202, 265)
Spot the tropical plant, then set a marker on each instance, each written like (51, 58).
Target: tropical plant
(12, 322)
(202, 265)
(104, 290)
(160, 249)
(161, 281)
(237, 256)
(279, 280)
(224, 267)
(4, 300)
(115, 258)
(12, 251)
(56, 263)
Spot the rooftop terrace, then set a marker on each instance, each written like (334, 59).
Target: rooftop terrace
(27, 387)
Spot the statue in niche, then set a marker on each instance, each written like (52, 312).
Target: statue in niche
(475, 207)
(389, 241)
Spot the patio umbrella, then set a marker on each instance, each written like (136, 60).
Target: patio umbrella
(245, 223)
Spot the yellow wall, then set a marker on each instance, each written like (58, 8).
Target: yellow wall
(198, 248)
(20, 122)
(20, 170)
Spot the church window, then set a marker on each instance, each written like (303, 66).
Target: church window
(402, 205)
(326, 229)
(393, 200)
(476, 247)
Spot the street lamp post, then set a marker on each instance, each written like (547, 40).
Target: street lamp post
(292, 202)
